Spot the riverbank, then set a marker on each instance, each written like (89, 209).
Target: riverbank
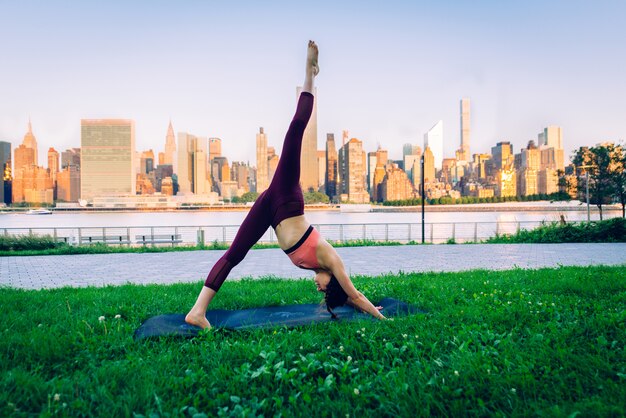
(537, 206)
(543, 206)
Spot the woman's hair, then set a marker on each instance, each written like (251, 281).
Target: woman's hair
(334, 296)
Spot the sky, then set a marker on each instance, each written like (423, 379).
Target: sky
(388, 70)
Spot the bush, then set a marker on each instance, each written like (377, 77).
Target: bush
(28, 242)
(612, 230)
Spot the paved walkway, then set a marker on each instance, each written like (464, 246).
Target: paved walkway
(114, 269)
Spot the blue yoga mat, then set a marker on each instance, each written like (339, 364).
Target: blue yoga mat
(290, 316)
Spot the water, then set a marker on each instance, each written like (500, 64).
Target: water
(191, 218)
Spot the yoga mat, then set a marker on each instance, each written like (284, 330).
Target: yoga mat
(290, 316)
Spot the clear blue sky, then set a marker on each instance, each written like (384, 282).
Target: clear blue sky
(389, 70)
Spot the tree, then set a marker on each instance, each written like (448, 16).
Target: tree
(312, 197)
(619, 179)
(597, 163)
(248, 197)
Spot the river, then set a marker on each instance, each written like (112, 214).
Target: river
(513, 213)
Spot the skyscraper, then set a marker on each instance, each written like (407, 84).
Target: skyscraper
(215, 148)
(552, 137)
(170, 146)
(378, 173)
(465, 130)
(24, 157)
(70, 157)
(31, 142)
(68, 184)
(193, 173)
(503, 156)
(262, 169)
(331, 166)
(107, 157)
(53, 163)
(352, 164)
(308, 156)
(429, 166)
(321, 169)
(433, 139)
(371, 168)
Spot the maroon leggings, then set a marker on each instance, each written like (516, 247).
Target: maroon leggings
(283, 198)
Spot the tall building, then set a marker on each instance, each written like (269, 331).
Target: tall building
(433, 139)
(410, 149)
(24, 157)
(503, 156)
(272, 162)
(321, 169)
(6, 175)
(240, 173)
(215, 148)
(380, 170)
(479, 165)
(31, 142)
(396, 185)
(262, 169)
(411, 160)
(528, 169)
(193, 173)
(146, 162)
(68, 184)
(53, 163)
(352, 175)
(70, 157)
(552, 136)
(30, 183)
(107, 148)
(371, 168)
(465, 130)
(170, 146)
(506, 184)
(429, 166)
(34, 185)
(308, 156)
(331, 172)
(548, 181)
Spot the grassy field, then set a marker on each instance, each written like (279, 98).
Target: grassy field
(520, 342)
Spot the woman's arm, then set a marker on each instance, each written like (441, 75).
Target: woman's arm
(330, 260)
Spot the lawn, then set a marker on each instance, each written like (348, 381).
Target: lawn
(522, 342)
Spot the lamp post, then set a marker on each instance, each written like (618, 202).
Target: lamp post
(423, 195)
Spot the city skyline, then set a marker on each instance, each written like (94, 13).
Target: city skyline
(67, 65)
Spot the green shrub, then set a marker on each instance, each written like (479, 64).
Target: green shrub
(612, 230)
(28, 242)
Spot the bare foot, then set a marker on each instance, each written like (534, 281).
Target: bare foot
(311, 58)
(197, 319)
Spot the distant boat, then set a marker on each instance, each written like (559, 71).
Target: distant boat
(39, 211)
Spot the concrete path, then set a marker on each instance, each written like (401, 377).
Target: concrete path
(189, 266)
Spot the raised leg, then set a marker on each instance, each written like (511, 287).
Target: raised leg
(312, 67)
(287, 175)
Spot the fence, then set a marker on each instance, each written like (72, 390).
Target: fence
(192, 235)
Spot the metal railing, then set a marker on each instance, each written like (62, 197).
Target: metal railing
(207, 234)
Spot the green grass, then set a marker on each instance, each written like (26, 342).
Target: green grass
(99, 248)
(521, 342)
(611, 230)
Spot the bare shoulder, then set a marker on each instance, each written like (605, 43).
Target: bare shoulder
(326, 254)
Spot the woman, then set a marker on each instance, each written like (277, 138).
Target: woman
(281, 206)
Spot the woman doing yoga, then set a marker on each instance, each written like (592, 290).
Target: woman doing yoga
(281, 206)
